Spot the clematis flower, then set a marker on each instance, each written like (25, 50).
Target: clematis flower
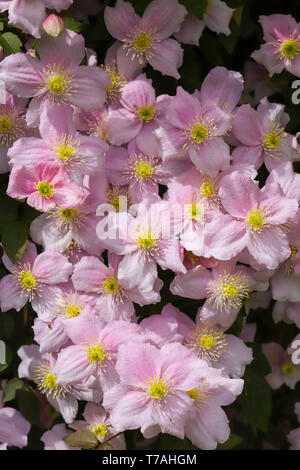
(153, 388)
(28, 15)
(144, 242)
(97, 421)
(283, 370)
(13, 427)
(94, 350)
(216, 17)
(62, 228)
(142, 173)
(35, 278)
(210, 343)
(53, 439)
(195, 129)
(45, 187)
(40, 368)
(147, 39)
(56, 77)
(113, 300)
(282, 44)
(138, 108)
(254, 220)
(12, 125)
(267, 142)
(76, 154)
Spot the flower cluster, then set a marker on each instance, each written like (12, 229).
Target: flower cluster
(130, 184)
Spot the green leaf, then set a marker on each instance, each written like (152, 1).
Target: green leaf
(233, 441)
(72, 24)
(11, 389)
(9, 210)
(256, 399)
(29, 404)
(84, 439)
(1, 26)
(10, 43)
(197, 7)
(14, 239)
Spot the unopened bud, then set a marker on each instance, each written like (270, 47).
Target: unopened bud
(54, 25)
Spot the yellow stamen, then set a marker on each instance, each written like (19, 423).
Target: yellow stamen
(100, 430)
(256, 220)
(111, 285)
(288, 369)
(45, 189)
(96, 353)
(289, 49)
(147, 112)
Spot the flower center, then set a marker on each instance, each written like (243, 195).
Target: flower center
(65, 149)
(208, 343)
(199, 133)
(117, 82)
(118, 197)
(68, 214)
(207, 189)
(111, 285)
(100, 430)
(294, 251)
(50, 381)
(144, 170)
(147, 241)
(147, 112)
(72, 310)
(143, 41)
(256, 220)
(200, 394)
(47, 381)
(27, 281)
(96, 353)
(289, 49)
(288, 369)
(45, 189)
(5, 124)
(158, 389)
(228, 291)
(56, 82)
(195, 210)
(192, 257)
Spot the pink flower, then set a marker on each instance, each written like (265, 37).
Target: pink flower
(28, 15)
(282, 44)
(13, 427)
(146, 39)
(97, 421)
(53, 439)
(137, 110)
(44, 187)
(94, 350)
(217, 16)
(283, 370)
(262, 135)
(62, 227)
(258, 82)
(207, 423)
(40, 368)
(142, 172)
(35, 278)
(144, 242)
(113, 300)
(254, 220)
(12, 125)
(195, 129)
(77, 154)
(153, 388)
(211, 343)
(57, 76)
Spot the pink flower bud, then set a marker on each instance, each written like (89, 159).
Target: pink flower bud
(54, 25)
